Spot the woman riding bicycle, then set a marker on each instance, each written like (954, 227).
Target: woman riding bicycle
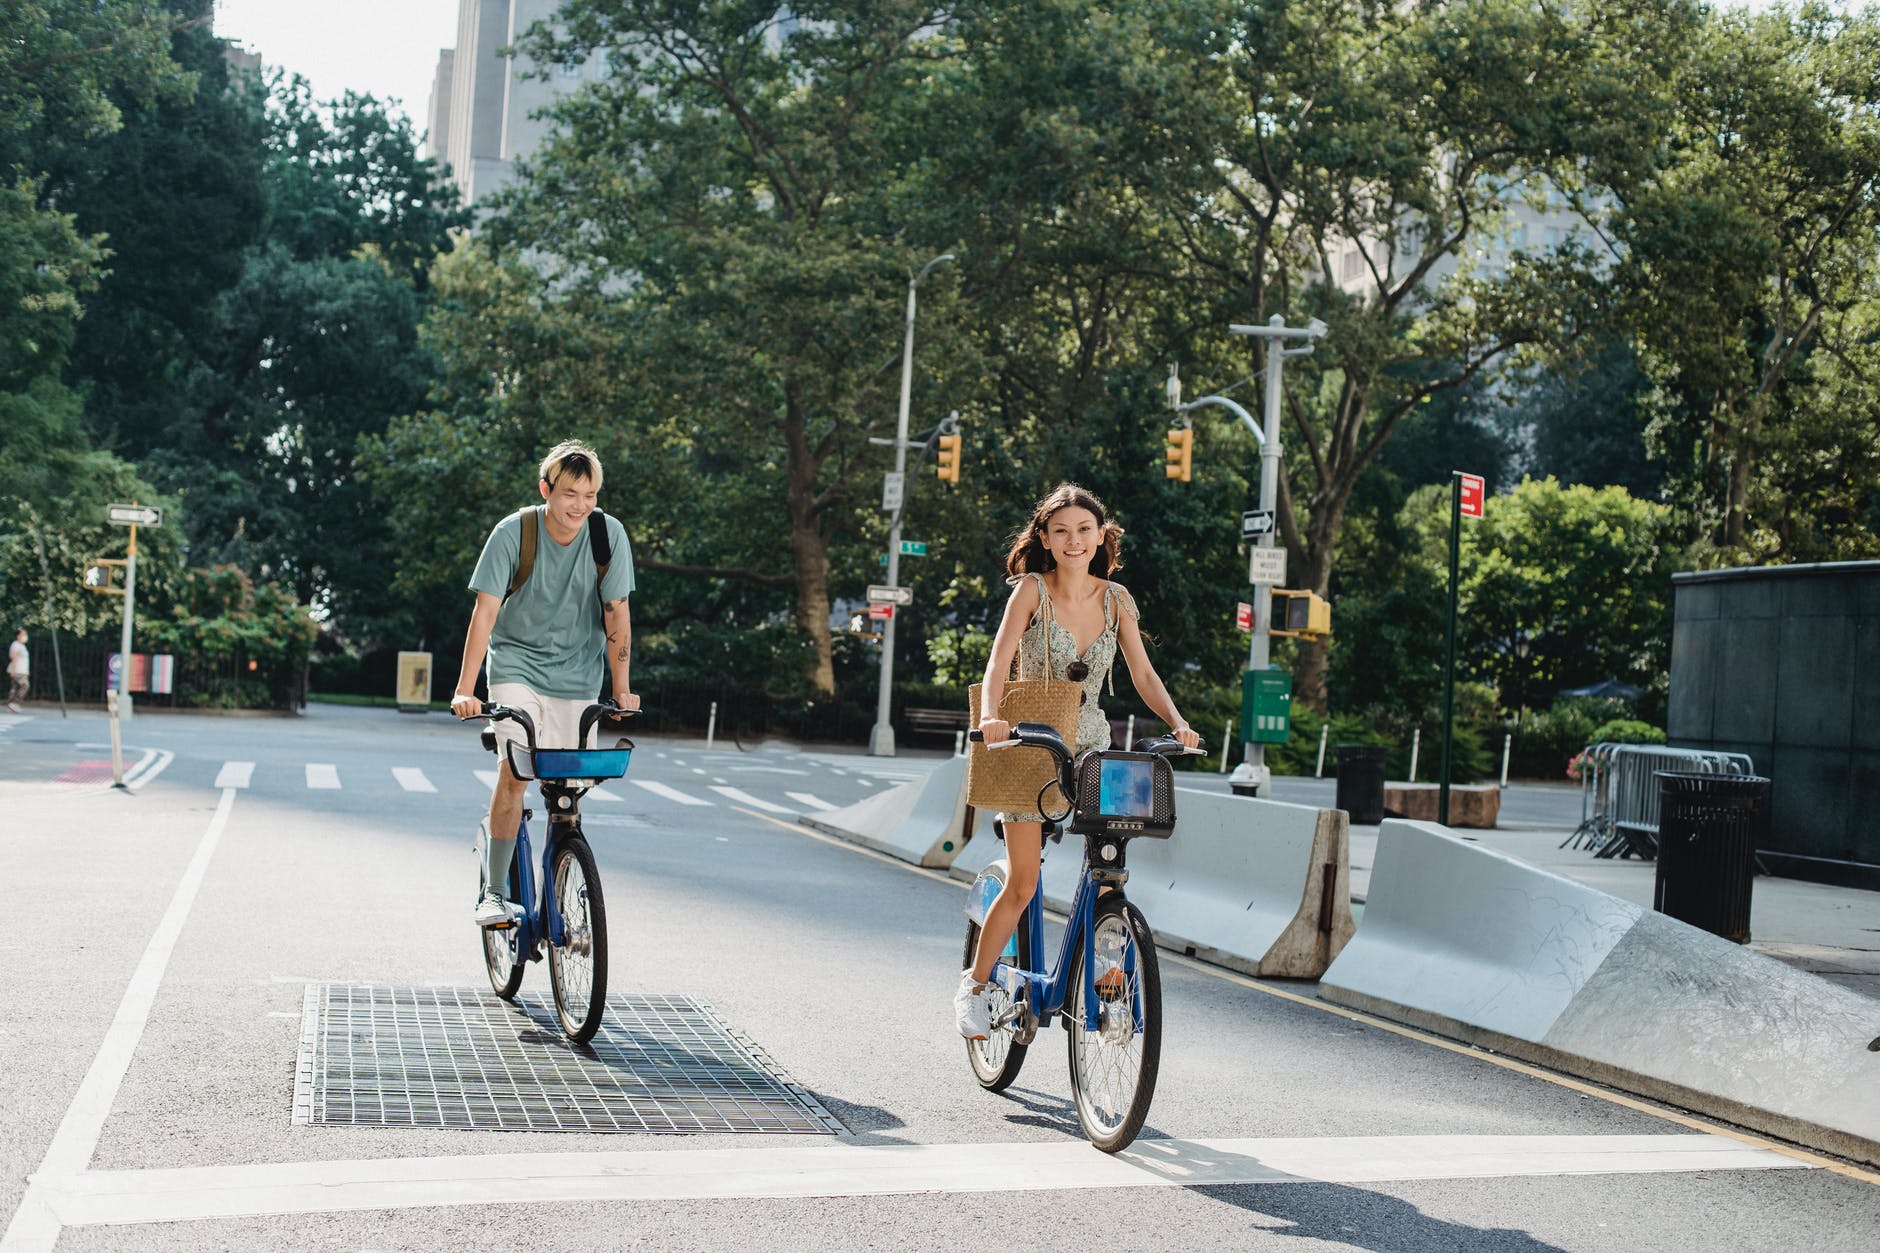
(1058, 567)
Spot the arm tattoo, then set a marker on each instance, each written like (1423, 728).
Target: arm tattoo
(622, 654)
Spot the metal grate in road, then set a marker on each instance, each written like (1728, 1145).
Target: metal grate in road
(374, 1056)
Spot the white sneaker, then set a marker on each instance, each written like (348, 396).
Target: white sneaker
(493, 911)
(972, 1007)
(15, 708)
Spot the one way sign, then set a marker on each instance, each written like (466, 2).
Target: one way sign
(1256, 522)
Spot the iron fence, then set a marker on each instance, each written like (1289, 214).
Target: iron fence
(1619, 797)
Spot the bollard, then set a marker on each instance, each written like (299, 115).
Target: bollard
(1416, 743)
(1318, 771)
(1507, 741)
(711, 725)
(959, 743)
(1129, 731)
(1227, 733)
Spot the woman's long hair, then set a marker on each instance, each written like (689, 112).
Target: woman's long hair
(1028, 554)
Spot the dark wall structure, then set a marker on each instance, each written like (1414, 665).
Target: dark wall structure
(1783, 663)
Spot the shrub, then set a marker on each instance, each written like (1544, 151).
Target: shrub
(1627, 731)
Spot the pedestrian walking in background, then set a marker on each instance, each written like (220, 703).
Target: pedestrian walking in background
(19, 671)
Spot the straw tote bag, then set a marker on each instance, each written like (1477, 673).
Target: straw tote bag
(1010, 780)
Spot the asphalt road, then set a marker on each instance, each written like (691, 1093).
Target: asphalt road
(163, 941)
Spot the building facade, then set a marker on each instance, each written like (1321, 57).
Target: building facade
(483, 103)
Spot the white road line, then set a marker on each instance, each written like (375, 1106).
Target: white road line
(831, 1170)
(322, 776)
(235, 774)
(36, 1223)
(768, 770)
(149, 768)
(811, 799)
(412, 779)
(486, 777)
(670, 793)
(745, 798)
(602, 794)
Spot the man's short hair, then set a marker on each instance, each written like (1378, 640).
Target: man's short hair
(571, 457)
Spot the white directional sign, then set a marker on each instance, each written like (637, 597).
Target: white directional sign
(1267, 565)
(879, 595)
(134, 515)
(1256, 522)
(893, 489)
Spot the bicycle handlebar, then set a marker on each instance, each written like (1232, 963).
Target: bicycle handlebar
(1042, 735)
(589, 716)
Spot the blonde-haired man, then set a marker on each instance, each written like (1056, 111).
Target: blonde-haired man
(551, 588)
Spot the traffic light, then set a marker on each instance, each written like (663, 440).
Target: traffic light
(949, 469)
(1300, 615)
(1181, 447)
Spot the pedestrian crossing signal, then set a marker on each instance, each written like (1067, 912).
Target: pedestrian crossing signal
(1300, 615)
(1181, 447)
(949, 469)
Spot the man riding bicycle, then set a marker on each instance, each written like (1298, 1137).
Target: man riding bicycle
(551, 614)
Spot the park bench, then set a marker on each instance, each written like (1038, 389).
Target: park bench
(939, 721)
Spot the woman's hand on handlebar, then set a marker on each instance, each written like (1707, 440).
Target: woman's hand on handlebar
(466, 705)
(994, 730)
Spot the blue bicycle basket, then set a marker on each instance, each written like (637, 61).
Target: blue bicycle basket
(581, 763)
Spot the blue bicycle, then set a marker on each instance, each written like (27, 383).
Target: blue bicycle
(1105, 984)
(565, 915)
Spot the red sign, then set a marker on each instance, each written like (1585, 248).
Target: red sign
(1471, 495)
(1243, 616)
(881, 611)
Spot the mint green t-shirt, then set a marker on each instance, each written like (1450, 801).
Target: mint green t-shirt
(549, 635)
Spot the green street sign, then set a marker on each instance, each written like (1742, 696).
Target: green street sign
(1265, 706)
(913, 548)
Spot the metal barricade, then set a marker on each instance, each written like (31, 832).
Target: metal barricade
(1619, 796)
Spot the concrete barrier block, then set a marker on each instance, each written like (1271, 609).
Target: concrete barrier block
(1457, 930)
(1480, 947)
(925, 821)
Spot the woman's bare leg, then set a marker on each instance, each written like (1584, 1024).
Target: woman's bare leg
(1022, 843)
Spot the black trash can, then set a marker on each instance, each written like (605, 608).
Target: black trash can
(1361, 783)
(1707, 827)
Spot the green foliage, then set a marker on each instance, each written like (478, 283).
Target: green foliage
(220, 614)
(1545, 740)
(1626, 731)
(959, 654)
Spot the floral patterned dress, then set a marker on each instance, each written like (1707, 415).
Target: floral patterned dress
(1093, 729)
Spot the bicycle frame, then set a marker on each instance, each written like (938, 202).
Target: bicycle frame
(540, 918)
(1049, 990)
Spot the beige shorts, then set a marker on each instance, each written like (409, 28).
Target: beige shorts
(557, 721)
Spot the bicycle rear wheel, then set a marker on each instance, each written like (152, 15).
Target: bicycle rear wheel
(503, 959)
(1113, 1068)
(997, 1058)
(577, 967)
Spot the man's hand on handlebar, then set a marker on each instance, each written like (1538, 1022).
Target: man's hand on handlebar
(466, 705)
(1187, 737)
(626, 702)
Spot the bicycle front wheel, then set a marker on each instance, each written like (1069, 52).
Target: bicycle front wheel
(577, 967)
(997, 1058)
(1113, 1068)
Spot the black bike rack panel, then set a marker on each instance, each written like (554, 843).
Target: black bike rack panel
(444, 1057)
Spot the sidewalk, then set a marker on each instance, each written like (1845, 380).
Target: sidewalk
(1831, 931)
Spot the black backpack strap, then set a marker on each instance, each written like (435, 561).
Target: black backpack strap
(525, 556)
(603, 546)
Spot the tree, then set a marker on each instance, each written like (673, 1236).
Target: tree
(1396, 135)
(731, 188)
(1560, 586)
(1749, 247)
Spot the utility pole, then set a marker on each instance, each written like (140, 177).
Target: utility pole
(1251, 774)
(132, 515)
(881, 742)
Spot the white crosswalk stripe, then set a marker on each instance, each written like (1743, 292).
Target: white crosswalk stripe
(602, 794)
(810, 799)
(235, 774)
(745, 798)
(322, 776)
(412, 779)
(670, 793)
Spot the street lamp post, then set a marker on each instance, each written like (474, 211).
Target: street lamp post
(881, 742)
(1251, 774)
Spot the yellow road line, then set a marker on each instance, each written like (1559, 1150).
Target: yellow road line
(1681, 1119)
